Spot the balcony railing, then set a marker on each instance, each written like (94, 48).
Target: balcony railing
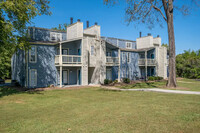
(150, 62)
(112, 61)
(67, 59)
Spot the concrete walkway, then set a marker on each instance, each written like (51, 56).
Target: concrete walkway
(154, 90)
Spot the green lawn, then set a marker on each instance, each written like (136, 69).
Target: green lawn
(98, 110)
(183, 84)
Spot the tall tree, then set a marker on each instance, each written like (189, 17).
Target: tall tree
(15, 15)
(155, 11)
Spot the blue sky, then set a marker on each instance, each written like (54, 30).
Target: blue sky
(111, 19)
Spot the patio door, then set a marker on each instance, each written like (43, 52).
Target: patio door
(79, 77)
(65, 77)
(109, 74)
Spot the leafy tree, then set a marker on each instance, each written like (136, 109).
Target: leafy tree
(15, 15)
(155, 12)
(61, 27)
(188, 64)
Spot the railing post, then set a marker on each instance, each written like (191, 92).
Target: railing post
(146, 65)
(119, 53)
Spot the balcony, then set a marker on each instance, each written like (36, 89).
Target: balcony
(150, 62)
(68, 60)
(112, 61)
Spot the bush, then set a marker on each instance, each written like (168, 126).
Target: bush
(126, 80)
(107, 81)
(115, 81)
(152, 78)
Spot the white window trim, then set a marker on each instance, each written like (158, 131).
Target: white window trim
(56, 36)
(130, 45)
(35, 55)
(91, 50)
(123, 56)
(31, 79)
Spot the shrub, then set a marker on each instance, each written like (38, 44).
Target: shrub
(126, 80)
(151, 78)
(107, 81)
(115, 81)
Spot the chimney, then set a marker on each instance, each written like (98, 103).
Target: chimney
(78, 20)
(71, 20)
(149, 34)
(96, 23)
(88, 24)
(140, 34)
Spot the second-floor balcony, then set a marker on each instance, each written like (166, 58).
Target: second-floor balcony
(150, 62)
(68, 60)
(112, 61)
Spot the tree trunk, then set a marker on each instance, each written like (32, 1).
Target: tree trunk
(172, 52)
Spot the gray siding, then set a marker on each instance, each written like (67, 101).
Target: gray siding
(45, 66)
(129, 69)
(119, 42)
(39, 34)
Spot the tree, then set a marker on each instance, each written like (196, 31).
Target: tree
(15, 15)
(61, 27)
(188, 64)
(155, 11)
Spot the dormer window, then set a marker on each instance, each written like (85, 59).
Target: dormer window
(55, 37)
(128, 45)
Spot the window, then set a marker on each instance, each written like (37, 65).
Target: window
(92, 50)
(33, 77)
(55, 37)
(128, 45)
(152, 56)
(33, 54)
(128, 57)
(108, 53)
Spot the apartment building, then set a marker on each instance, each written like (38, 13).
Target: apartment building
(82, 56)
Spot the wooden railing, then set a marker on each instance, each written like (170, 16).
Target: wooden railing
(150, 62)
(67, 59)
(112, 60)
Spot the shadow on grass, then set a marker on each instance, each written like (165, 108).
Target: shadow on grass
(6, 91)
(108, 90)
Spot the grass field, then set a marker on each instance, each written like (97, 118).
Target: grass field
(183, 84)
(98, 110)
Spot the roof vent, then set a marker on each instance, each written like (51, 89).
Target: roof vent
(88, 24)
(140, 34)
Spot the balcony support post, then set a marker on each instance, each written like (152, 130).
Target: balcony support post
(119, 53)
(60, 57)
(146, 65)
(60, 76)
